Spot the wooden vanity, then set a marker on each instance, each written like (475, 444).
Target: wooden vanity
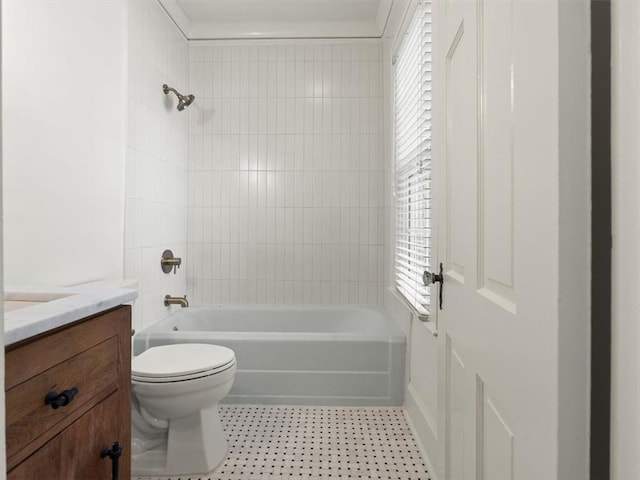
(68, 400)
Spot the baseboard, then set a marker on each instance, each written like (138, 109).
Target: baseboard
(312, 400)
(423, 430)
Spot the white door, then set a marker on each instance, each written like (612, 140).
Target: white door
(496, 163)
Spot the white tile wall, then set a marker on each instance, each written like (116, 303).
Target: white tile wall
(156, 162)
(286, 174)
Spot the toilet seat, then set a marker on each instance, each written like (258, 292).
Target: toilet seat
(180, 362)
(193, 376)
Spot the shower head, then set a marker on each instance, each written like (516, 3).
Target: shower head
(183, 100)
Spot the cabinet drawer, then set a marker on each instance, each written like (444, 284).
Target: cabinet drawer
(52, 461)
(32, 357)
(94, 372)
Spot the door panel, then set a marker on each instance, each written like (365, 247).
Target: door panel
(460, 155)
(495, 444)
(457, 431)
(495, 159)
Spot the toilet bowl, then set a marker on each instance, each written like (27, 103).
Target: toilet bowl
(176, 428)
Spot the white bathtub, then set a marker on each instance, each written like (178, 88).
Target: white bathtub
(297, 355)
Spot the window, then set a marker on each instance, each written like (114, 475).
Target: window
(413, 159)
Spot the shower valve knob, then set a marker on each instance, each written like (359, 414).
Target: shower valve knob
(168, 262)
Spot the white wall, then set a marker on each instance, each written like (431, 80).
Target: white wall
(625, 118)
(3, 452)
(156, 163)
(64, 78)
(286, 176)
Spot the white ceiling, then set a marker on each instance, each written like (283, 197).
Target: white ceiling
(238, 11)
(218, 19)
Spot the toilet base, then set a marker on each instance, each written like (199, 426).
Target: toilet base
(195, 445)
(149, 464)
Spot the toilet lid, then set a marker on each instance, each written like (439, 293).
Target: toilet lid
(168, 361)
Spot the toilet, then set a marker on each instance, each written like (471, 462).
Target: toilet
(176, 428)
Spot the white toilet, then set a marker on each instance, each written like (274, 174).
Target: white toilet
(176, 428)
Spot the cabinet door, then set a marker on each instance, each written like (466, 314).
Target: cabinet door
(75, 452)
(44, 463)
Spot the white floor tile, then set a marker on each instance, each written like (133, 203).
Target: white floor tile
(315, 443)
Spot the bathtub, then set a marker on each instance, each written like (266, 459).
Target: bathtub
(297, 355)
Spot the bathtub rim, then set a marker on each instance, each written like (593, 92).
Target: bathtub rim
(392, 333)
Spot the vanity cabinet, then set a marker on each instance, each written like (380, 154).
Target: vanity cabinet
(68, 399)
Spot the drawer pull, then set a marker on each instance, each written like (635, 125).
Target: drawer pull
(114, 454)
(57, 400)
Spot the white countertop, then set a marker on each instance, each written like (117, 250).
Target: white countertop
(39, 316)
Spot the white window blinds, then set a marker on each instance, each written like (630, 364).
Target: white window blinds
(413, 159)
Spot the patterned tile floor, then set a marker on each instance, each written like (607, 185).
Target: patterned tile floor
(315, 443)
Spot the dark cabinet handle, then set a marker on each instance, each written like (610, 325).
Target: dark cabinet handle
(57, 400)
(114, 454)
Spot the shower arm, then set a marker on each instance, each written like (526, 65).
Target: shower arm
(166, 89)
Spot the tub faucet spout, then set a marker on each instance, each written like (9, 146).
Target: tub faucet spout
(182, 301)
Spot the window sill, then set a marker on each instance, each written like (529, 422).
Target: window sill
(424, 319)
